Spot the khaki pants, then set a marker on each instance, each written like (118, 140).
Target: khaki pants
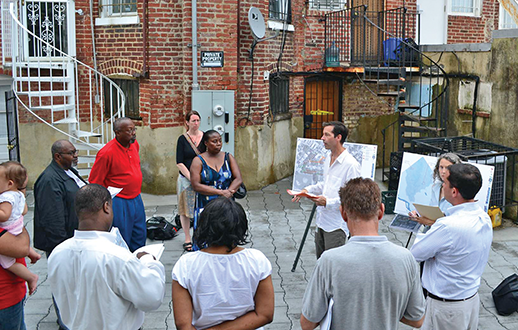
(458, 315)
(327, 240)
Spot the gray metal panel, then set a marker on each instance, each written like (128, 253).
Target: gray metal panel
(207, 103)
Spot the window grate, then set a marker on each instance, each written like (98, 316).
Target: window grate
(280, 10)
(130, 88)
(118, 7)
(327, 4)
(279, 95)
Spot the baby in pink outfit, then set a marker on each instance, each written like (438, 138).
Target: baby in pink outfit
(13, 182)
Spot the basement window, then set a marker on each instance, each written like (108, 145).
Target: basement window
(465, 7)
(117, 12)
(279, 95)
(327, 4)
(130, 88)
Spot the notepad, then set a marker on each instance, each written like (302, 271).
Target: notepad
(431, 212)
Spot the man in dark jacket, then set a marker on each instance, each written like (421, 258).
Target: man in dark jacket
(54, 215)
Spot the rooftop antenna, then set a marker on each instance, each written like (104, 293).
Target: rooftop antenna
(258, 27)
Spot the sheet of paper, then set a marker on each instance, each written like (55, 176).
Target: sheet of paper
(300, 193)
(431, 212)
(114, 191)
(155, 250)
(326, 323)
(119, 240)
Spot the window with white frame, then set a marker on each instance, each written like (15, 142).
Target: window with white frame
(280, 10)
(505, 20)
(117, 12)
(465, 7)
(327, 4)
(118, 8)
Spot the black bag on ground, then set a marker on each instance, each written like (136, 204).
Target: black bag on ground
(158, 228)
(178, 222)
(505, 295)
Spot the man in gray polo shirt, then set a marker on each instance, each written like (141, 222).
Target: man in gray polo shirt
(373, 283)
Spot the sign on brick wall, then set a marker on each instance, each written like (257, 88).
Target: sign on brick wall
(211, 59)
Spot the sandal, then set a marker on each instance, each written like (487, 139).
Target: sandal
(187, 247)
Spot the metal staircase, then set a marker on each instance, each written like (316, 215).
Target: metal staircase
(50, 83)
(394, 68)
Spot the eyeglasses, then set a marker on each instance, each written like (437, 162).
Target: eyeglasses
(71, 153)
(131, 131)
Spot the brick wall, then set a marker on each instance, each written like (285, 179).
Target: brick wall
(467, 29)
(359, 102)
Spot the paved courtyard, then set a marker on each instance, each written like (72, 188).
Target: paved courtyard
(276, 227)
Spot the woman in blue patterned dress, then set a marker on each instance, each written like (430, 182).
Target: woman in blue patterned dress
(213, 173)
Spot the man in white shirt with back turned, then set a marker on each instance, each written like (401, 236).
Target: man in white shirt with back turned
(96, 283)
(455, 251)
(339, 167)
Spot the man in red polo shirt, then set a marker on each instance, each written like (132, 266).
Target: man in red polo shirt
(12, 287)
(117, 164)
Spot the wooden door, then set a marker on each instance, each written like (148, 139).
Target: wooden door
(322, 103)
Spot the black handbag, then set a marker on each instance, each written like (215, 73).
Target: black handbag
(240, 192)
(505, 295)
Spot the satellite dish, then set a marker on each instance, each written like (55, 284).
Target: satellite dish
(256, 22)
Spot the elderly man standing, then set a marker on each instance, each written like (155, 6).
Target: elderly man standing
(54, 214)
(96, 283)
(455, 251)
(117, 164)
(374, 283)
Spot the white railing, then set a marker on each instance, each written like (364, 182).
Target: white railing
(7, 52)
(47, 78)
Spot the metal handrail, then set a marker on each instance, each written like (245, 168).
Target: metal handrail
(120, 110)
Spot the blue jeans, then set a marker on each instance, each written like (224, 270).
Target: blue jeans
(11, 318)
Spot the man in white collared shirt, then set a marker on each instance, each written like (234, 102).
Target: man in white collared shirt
(96, 283)
(455, 251)
(339, 167)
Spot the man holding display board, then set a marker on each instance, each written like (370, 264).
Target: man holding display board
(339, 167)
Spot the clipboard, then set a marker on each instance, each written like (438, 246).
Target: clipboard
(431, 212)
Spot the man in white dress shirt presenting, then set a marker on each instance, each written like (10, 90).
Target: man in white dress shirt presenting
(96, 283)
(339, 167)
(455, 251)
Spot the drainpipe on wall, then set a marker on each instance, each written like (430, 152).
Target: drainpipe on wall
(97, 96)
(475, 95)
(194, 45)
(145, 71)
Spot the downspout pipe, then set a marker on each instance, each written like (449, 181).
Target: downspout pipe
(97, 96)
(145, 24)
(195, 85)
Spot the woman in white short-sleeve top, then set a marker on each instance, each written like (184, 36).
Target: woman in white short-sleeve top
(222, 284)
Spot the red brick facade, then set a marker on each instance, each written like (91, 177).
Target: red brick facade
(223, 26)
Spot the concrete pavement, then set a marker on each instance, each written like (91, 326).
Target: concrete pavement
(276, 228)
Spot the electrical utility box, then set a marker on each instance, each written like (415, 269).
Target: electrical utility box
(216, 109)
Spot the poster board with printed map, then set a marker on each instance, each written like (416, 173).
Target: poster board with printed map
(310, 156)
(416, 183)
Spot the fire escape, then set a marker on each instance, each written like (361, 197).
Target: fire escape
(382, 49)
(38, 46)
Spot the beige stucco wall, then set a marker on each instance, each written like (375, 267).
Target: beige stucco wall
(498, 72)
(264, 154)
